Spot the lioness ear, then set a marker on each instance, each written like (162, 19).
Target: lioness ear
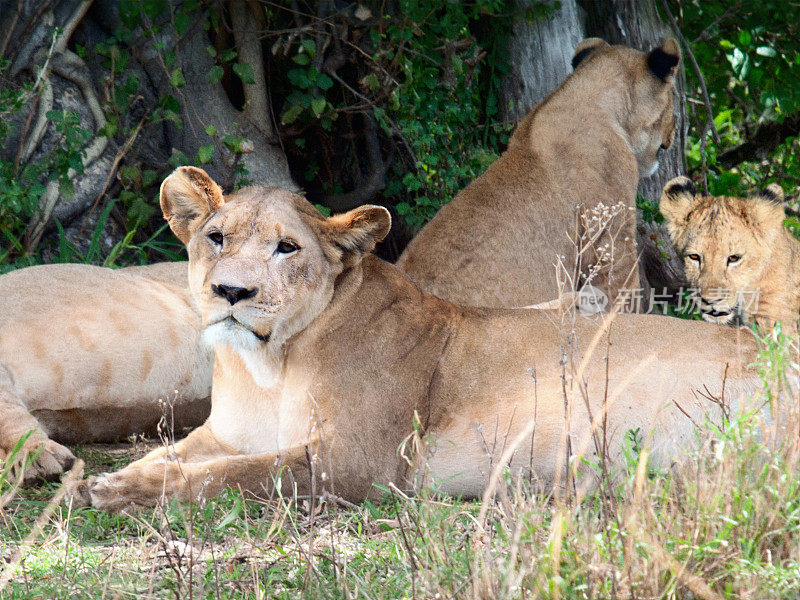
(358, 230)
(187, 197)
(663, 62)
(585, 48)
(676, 201)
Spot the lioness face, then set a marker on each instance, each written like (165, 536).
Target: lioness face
(257, 270)
(262, 261)
(725, 243)
(644, 100)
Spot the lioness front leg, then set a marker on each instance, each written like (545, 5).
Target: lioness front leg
(16, 422)
(145, 484)
(200, 445)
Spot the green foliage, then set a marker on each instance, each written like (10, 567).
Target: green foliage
(428, 79)
(22, 187)
(748, 55)
(445, 108)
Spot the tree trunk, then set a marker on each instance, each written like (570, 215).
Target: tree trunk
(67, 81)
(636, 23)
(540, 53)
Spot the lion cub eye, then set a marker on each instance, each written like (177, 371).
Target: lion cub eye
(734, 258)
(286, 247)
(216, 238)
(694, 257)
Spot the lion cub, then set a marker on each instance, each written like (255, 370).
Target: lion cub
(737, 254)
(326, 357)
(563, 191)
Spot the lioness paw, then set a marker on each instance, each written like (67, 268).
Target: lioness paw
(53, 460)
(114, 492)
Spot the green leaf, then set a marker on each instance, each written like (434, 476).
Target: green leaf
(372, 81)
(745, 38)
(56, 116)
(310, 47)
(245, 72)
(233, 142)
(66, 189)
(215, 74)
(301, 59)
(170, 57)
(205, 153)
(211, 130)
(212, 52)
(177, 78)
(298, 78)
(291, 114)
(324, 82)
(318, 105)
(181, 23)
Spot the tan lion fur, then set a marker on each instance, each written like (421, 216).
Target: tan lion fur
(584, 147)
(326, 356)
(764, 284)
(86, 353)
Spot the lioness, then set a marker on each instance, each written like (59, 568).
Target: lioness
(325, 356)
(86, 353)
(581, 151)
(736, 253)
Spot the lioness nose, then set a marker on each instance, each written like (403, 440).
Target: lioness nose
(232, 293)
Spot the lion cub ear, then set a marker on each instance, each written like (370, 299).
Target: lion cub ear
(676, 201)
(585, 48)
(772, 193)
(188, 197)
(768, 205)
(663, 62)
(357, 231)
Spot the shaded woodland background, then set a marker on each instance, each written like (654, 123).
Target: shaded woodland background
(395, 102)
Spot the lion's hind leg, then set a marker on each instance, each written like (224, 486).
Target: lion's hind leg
(22, 438)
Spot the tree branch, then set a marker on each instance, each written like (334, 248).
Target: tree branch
(766, 138)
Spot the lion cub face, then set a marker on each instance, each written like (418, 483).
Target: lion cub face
(725, 243)
(641, 93)
(262, 261)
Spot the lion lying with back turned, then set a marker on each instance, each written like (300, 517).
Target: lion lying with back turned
(325, 356)
(87, 353)
(737, 254)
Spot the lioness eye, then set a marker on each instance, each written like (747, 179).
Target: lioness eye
(286, 247)
(695, 257)
(734, 258)
(216, 238)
